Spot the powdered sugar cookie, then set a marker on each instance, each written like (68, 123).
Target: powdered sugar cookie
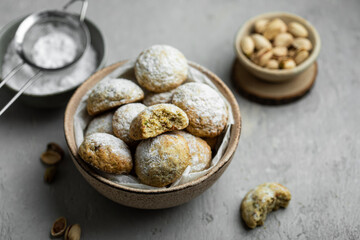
(157, 98)
(122, 120)
(160, 161)
(161, 68)
(106, 153)
(205, 108)
(101, 124)
(156, 120)
(112, 93)
(200, 151)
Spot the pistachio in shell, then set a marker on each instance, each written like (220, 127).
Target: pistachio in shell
(247, 45)
(50, 174)
(50, 157)
(301, 56)
(272, 64)
(56, 148)
(260, 41)
(58, 227)
(264, 55)
(73, 232)
(287, 64)
(274, 27)
(283, 40)
(302, 44)
(260, 25)
(280, 51)
(297, 29)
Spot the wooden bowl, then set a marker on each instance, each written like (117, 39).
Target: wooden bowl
(277, 75)
(144, 198)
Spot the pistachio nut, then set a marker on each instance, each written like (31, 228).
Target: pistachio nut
(50, 174)
(50, 157)
(283, 40)
(272, 64)
(280, 51)
(301, 56)
(260, 41)
(73, 232)
(274, 27)
(287, 64)
(56, 148)
(260, 25)
(247, 45)
(58, 227)
(302, 44)
(297, 30)
(264, 55)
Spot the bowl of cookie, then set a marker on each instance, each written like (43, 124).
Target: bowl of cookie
(277, 46)
(154, 132)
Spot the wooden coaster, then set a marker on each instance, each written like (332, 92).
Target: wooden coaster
(264, 92)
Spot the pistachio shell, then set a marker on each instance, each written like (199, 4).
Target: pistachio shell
(260, 41)
(302, 44)
(283, 40)
(272, 64)
(247, 45)
(73, 232)
(50, 174)
(297, 30)
(56, 148)
(50, 157)
(264, 55)
(260, 25)
(274, 27)
(58, 227)
(287, 64)
(301, 56)
(280, 51)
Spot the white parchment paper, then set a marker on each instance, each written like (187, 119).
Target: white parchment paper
(81, 120)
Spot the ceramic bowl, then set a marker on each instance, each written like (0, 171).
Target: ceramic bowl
(54, 99)
(277, 75)
(144, 198)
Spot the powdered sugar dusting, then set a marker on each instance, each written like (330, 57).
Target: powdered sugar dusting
(200, 152)
(204, 103)
(101, 124)
(116, 89)
(113, 92)
(147, 153)
(122, 120)
(116, 145)
(157, 98)
(161, 64)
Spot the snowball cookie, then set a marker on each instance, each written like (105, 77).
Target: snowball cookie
(101, 124)
(156, 120)
(205, 108)
(161, 160)
(161, 68)
(157, 98)
(112, 93)
(262, 200)
(106, 153)
(200, 151)
(122, 120)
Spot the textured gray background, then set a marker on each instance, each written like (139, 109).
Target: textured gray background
(311, 146)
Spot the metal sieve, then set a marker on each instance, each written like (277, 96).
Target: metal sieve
(33, 27)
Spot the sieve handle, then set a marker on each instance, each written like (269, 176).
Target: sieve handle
(22, 89)
(83, 8)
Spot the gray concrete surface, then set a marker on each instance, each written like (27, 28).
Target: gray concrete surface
(311, 146)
